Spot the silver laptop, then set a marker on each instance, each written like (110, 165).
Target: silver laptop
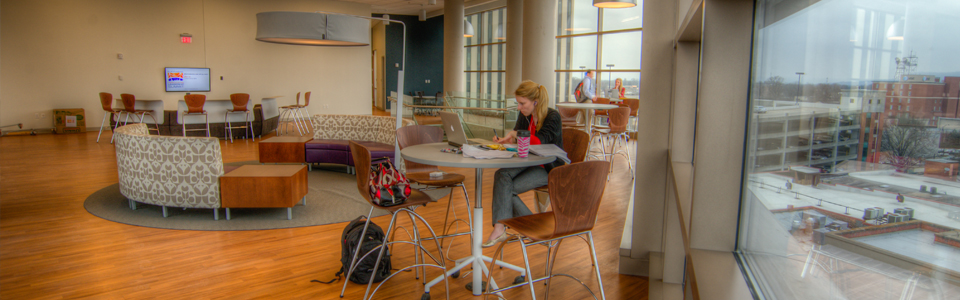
(454, 130)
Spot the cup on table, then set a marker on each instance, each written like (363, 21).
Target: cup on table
(523, 143)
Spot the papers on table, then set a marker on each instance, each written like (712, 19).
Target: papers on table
(549, 150)
(473, 151)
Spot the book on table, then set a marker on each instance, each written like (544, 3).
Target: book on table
(549, 150)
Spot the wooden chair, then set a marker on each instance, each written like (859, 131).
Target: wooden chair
(568, 117)
(634, 105)
(129, 107)
(195, 104)
(420, 173)
(600, 113)
(106, 100)
(362, 160)
(576, 193)
(292, 112)
(619, 117)
(240, 102)
(575, 143)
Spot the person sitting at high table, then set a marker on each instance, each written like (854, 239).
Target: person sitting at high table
(545, 128)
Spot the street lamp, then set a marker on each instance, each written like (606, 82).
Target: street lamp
(610, 67)
(799, 85)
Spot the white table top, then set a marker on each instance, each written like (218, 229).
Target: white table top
(587, 105)
(430, 154)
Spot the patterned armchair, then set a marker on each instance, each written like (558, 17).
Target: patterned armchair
(168, 170)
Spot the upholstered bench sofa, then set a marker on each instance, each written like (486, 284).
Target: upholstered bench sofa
(168, 170)
(332, 133)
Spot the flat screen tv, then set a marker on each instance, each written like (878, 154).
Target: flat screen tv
(187, 79)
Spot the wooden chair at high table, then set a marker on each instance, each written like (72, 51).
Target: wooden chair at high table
(362, 160)
(129, 107)
(293, 112)
(106, 100)
(240, 102)
(195, 104)
(619, 117)
(576, 190)
(420, 173)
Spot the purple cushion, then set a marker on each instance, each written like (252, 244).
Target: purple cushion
(377, 150)
(328, 144)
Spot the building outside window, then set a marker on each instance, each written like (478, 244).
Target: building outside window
(605, 40)
(486, 53)
(827, 211)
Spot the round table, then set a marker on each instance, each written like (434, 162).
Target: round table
(431, 154)
(588, 111)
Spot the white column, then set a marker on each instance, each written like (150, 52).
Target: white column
(514, 32)
(453, 58)
(539, 43)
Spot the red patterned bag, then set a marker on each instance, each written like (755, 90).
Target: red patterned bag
(388, 187)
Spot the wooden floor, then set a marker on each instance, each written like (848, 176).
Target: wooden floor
(51, 248)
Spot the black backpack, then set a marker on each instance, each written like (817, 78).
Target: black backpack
(373, 238)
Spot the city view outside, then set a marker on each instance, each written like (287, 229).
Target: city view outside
(851, 187)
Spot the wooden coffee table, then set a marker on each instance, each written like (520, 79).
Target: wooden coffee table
(283, 149)
(264, 186)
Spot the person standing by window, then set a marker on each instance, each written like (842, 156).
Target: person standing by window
(586, 88)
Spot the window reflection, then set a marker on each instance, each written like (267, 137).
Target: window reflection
(854, 150)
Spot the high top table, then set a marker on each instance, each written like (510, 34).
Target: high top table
(588, 111)
(431, 154)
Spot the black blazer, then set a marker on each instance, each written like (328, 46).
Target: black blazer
(550, 133)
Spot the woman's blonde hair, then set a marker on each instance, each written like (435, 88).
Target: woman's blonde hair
(537, 93)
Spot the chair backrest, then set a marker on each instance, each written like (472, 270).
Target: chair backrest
(568, 114)
(298, 98)
(195, 103)
(575, 143)
(601, 101)
(361, 161)
(634, 105)
(106, 99)
(240, 101)
(575, 193)
(306, 99)
(128, 102)
(420, 94)
(416, 135)
(619, 117)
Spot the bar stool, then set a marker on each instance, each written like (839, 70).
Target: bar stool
(240, 102)
(419, 173)
(634, 105)
(304, 119)
(619, 117)
(195, 107)
(129, 107)
(106, 100)
(291, 112)
(361, 157)
(576, 193)
(600, 112)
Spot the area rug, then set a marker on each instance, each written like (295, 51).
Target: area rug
(332, 198)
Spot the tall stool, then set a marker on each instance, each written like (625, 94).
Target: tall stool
(106, 100)
(195, 107)
(300, 109)
(619, 117)
(576, 192)
(291, 112)
(240, 102)
(600, 112)
(361, 157)
(129, 107)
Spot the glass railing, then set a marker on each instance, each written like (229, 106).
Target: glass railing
(481, 113)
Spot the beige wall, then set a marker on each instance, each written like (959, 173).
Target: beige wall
(61, 53)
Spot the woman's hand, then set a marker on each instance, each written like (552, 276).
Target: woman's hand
(506, 139)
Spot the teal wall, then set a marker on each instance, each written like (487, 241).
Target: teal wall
(424, 54)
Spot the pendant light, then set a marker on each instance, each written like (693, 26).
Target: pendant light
(467, 28)
(614, 3)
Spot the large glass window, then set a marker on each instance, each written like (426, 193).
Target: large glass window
(486, 52)
(846, 194)
(604, 40)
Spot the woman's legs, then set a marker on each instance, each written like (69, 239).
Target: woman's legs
(507, 184)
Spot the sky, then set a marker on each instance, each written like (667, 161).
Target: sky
(846, 40)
